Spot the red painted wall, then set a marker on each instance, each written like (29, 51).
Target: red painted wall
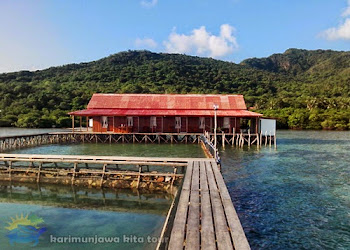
(142, 124)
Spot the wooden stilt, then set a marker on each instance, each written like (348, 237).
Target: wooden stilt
(73, 123)
(223, 139)
(233, 136)
(10, 169)
(249, 138)
(74, 171)
(139, 176)
(103, 174)
(38, 176)
(87, 124)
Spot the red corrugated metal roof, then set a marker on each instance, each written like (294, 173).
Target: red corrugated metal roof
(166, 101)
(163, 112)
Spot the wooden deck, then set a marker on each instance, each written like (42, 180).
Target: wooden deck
(205, 217)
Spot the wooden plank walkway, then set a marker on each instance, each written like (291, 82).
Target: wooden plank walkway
(205, 217)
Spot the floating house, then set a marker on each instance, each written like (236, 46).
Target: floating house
(167, 113)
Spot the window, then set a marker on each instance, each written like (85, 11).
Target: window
(91, 123)
(130, 121)
(104, 122)
(153, 121)
(202, 122)
(177, 122)
(226, 122)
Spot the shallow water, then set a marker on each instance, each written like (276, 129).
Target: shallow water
(295, 197)
(134, 219)
(28, 131)
(77, 212)
(127, 149)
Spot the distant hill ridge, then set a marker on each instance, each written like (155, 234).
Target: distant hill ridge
(306, 89)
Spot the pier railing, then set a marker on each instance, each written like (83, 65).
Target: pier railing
(8, 143)
(95, 171)
(210, 148)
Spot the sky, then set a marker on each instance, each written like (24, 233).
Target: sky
(37, 34)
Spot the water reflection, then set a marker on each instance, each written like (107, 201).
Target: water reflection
(121, 200)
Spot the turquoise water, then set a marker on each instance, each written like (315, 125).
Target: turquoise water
(78, 212)
(132, 219)
(127, 149)
(297, 197)
(28, 131)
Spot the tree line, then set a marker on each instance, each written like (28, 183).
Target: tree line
(303, 89)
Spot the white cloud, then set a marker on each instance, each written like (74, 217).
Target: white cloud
(202, 42)
(146, 43)
(342, 31)
(149, 3)
(346, 12)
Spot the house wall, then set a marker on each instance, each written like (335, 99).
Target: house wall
(167, 124)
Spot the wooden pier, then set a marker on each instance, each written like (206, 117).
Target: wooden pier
(233, 139)
(94, 171)
(205, 216)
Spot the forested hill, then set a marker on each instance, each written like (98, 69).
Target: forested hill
(305, 89)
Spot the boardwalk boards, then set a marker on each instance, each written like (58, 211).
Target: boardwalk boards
(205, 217)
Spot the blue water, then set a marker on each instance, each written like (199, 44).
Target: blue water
(295, 197)
(135, 219)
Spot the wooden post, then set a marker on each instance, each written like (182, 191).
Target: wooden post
(265, 138)
(9, 168)
(223, 139)
(270, 140)
(87, 124)
(74, 170)
(73, 123)
(233, 137)
(173, 179)
(241, 140)
(80, 122)
(275, 140)
(38, 177)
(215, 125)
(248, 137)
(139, 176)
(103, 174)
